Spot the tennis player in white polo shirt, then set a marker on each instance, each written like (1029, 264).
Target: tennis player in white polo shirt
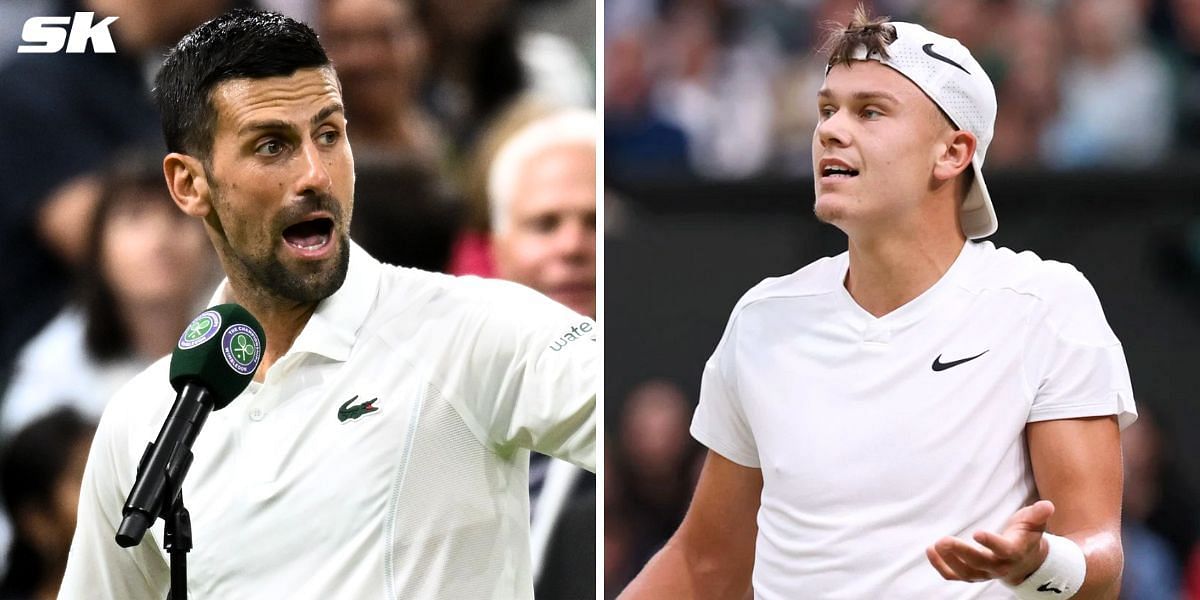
(382, 450)
(923, 416)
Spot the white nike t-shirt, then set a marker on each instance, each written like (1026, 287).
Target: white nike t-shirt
(878, 436)
(384, 456)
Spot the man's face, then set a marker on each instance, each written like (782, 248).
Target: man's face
(549, 243)
(282, 184)
(874, 146)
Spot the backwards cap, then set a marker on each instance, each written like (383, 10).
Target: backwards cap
(945, 70)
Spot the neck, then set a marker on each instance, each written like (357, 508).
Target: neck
(887, 273)
(154, 326)
(281, 320)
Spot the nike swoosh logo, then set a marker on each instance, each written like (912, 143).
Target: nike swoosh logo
(928, 48)
(1045, 587)
(938, 365)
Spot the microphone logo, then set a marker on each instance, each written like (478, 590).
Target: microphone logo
(242, 348)
(200, 330)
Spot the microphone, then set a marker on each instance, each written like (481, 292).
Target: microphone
(215, 359)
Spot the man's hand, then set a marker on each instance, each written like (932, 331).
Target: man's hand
(1011, 555)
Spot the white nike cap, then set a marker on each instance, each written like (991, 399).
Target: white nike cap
(945, 70)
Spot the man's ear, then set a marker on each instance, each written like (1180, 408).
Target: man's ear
(188, 183)
(957, 152)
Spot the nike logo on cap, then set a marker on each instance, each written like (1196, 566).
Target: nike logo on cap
(938, 365)
(1045, 587)
(928, 48)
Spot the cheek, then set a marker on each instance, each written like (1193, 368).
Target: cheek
(523, 257)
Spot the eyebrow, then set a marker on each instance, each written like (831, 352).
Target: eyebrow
(276, 124)
(863, 95)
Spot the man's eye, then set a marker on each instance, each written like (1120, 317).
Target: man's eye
(269, 148)
(871, 114)
(328, 137)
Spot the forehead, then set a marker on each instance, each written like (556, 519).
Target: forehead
(871, 76)
(292, 98)
(557, 175)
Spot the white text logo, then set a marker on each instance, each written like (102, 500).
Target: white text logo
(47, 35)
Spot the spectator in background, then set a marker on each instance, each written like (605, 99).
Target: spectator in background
(543, 208)
(146, 269)
(639, 141)
(381, 52)
(1116, 96)
(649, 478)
(40, 474)
(658, 454)
(472, 252)
(64, 115)
(1026, 86)
(482, 62)
(716, 85)
(542, 191)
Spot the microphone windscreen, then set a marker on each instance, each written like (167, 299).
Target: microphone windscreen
(220, 350)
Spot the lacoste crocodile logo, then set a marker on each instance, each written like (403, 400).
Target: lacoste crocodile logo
(349, 413)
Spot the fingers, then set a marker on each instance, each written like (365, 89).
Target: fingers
(1002, 547)
(957, 560)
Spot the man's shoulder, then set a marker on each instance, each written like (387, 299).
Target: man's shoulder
(423, 301)
(1025, 273)
(817, 278)
(417, 291)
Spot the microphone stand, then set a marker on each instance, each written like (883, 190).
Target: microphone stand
(177, 541)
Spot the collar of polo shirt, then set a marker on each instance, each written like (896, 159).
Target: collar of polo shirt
(334, 326)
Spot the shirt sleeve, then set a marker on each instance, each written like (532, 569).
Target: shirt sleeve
(720, 421)
(97, 567)
(1076, 362)
(528, 374)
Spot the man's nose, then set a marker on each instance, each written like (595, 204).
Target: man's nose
(314, 176)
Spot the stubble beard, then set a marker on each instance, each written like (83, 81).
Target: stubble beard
(267, 275)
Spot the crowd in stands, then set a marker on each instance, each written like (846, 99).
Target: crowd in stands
(725, 89)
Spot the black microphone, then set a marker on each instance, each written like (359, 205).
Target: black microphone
(215, 359)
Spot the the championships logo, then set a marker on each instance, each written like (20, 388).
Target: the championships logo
(200, 330)
(241, 348)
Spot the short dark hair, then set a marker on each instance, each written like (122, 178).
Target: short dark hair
(242, 43)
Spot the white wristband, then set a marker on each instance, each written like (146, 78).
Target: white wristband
(1060, 575)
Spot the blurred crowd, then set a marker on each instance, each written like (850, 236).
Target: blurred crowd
(103, 271)
(726, 89)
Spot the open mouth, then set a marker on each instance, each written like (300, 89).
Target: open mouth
(839, 172)
(309, 235)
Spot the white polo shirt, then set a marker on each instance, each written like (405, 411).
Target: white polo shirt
(878, 436)
(424, 497)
